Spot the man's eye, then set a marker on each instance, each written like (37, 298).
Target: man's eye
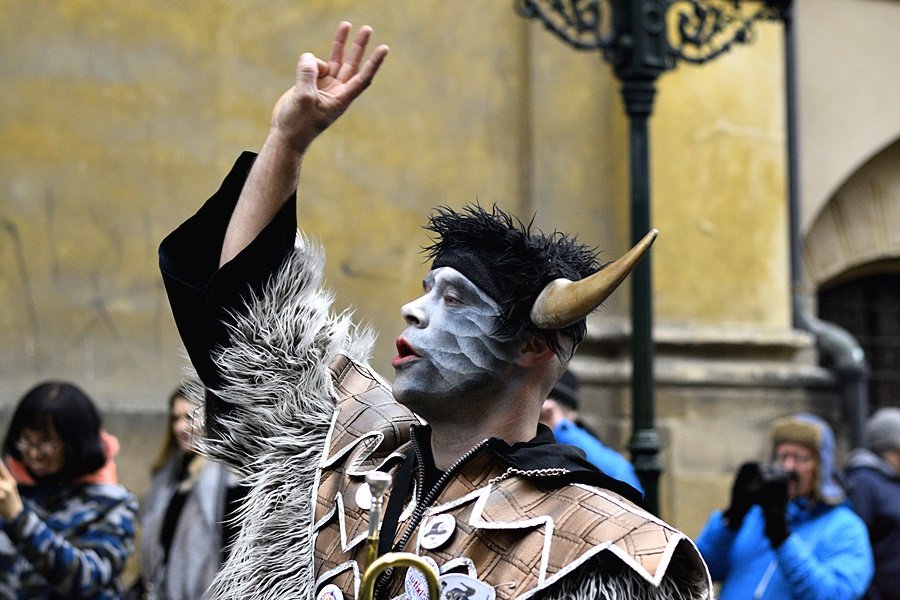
(452, 300)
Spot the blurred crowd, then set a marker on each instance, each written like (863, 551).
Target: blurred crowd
(798, 525)
(70, 530)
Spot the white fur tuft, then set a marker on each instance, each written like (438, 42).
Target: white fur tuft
(278, 387)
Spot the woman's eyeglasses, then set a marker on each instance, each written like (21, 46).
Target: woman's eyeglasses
(43, 448)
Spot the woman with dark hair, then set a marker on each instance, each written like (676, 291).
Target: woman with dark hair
(185, 525)
(68, 526)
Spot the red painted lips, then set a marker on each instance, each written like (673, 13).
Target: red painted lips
(405, 353)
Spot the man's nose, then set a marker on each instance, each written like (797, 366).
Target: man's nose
(414, 313)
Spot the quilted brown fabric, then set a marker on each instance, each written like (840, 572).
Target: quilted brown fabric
(508, 532)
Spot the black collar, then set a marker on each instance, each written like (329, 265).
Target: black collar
(534, 458)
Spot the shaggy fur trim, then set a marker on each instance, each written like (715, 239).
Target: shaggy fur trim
(794, 431)
(608, 578)
(279, 390)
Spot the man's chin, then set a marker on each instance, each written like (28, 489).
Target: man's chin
(414, 398)
(408, 398)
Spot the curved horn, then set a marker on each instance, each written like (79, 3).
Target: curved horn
(563, 302)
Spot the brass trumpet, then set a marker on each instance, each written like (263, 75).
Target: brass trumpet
(378, 483)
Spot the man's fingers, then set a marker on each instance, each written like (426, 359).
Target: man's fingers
(336, 57)
(370, 68)
(361, 80)
(324, 69)
(355, 53)
(307, 70)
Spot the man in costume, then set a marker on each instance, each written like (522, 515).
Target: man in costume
(481, 490)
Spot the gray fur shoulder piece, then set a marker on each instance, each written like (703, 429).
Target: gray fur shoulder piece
(281, 399)
(607, 578)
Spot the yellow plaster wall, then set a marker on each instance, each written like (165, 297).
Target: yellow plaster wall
(718, 162)
(118, 118)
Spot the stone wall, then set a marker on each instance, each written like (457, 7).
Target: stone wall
(117, 119)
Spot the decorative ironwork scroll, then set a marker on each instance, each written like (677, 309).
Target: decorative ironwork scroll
(698, 31)
(702, 30)
(583, 24)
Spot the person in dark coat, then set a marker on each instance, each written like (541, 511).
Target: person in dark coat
(873, 478)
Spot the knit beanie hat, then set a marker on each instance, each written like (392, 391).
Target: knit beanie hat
(566, 390)
(882, 432)
(812, 432)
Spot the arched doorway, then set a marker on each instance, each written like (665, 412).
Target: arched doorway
(852, 256)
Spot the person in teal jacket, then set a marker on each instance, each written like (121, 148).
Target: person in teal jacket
(789, 532)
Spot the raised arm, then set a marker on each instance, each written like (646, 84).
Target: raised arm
(322, 92)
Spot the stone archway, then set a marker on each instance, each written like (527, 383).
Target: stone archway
(852, 255)
(859, 228)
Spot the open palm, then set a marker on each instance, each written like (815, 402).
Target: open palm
(324, 90)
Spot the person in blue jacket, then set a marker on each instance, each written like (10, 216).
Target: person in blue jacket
(560, 413)
(789, 531)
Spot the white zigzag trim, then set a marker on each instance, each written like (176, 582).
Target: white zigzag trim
(345, 566)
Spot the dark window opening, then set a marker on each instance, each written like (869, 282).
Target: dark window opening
(869, 308)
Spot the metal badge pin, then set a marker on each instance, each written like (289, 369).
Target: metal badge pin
(364, 497)
(330, 592)
(415, 584)
(462, 587)
(437, 530)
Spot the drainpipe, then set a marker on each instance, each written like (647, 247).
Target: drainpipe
(836, 345)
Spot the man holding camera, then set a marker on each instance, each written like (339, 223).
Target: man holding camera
(789, 532)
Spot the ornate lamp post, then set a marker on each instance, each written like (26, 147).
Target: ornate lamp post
(641, 39)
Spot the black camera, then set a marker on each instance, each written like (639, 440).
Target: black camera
(772, 473)
(773, 479)
(767, 476)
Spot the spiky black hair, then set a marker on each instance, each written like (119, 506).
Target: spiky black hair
(511, 261)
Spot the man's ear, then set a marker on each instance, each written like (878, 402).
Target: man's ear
(535, 352)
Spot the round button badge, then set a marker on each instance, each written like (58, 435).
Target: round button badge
(437, 531)
(462, 587)
(364, 497)
(415, 583)
(330, 592)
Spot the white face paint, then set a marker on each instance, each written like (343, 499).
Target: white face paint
(448, 350)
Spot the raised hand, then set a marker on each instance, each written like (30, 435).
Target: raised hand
(321, 94)
(10, 502)
(324, 90)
